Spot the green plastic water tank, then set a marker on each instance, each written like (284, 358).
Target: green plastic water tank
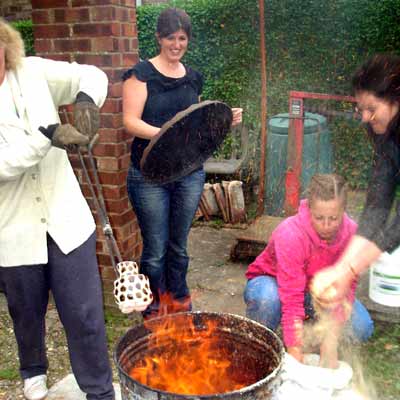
(317, 156)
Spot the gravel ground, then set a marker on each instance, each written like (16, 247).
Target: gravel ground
(57, 351)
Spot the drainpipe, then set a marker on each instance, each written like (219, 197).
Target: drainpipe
(263, 116)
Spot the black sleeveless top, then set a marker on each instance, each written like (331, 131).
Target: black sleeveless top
(165, 97)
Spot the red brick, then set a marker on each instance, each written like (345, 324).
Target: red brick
(117, 206)
(129, 59)
(129, 30)
(114, 192)
(59, 57)
(109, 164)
(107, 13)
(71, 45)
(81, 3)
(122, 14)
(112, 135)
(110, 149)
(100, 246)
(51, 31)
(44, 46)
(41, 16)
(49, 3)
(112, 106)
(111, 120)
(102, 44)
(101, 60)
(121, 219)
(104, 259)
(108, 273)
(132, 15)
(128, 3)
(97, 29)
(71, 15)
(115, 90)
(125, 161)
(115, 74)
(112, 178)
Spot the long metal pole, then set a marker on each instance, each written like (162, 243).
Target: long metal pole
(263, 116)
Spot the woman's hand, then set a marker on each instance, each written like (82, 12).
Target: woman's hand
(237, 116)
(330, 286)
(296, 352)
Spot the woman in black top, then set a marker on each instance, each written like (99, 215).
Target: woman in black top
(377, 90)
(153, 92)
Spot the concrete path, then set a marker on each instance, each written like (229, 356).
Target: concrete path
(67, 389)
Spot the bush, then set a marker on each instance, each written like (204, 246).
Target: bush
(312, 47)
(26, 29)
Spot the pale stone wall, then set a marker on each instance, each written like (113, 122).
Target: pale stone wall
(14, 10)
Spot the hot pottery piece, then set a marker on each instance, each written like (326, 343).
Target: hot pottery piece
(199, 355)
(131, 290)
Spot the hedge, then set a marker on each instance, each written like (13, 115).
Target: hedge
(311, 46)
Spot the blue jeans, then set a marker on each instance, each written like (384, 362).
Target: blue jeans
(165, 213)
(264, 306)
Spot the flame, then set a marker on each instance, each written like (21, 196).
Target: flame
(185, 359)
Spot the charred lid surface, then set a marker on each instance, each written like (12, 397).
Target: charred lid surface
(186, 141)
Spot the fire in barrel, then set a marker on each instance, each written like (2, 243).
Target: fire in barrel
(198, 355)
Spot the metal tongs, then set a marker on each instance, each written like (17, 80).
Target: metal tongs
(99, 202)
(98, 199)
(131, 289)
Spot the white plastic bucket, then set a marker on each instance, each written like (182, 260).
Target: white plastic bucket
(384, 279)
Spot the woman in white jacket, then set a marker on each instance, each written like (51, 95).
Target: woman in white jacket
(47, 232)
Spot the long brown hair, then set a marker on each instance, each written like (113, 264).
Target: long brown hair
(380, 76)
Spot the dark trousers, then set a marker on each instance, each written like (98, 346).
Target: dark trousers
(76, 287)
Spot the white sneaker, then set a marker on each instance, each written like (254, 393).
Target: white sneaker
(35, 388)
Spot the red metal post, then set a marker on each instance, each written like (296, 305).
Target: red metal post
(295, 144)
(294, 156)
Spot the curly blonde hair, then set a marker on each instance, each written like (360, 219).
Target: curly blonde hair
(13, 44)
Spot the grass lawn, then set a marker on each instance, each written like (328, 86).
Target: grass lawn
(380, 360)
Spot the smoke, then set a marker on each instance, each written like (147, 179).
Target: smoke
(319, 335)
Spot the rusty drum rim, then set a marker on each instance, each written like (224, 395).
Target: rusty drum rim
(269, 378)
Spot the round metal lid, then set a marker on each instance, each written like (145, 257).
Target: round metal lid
(186, 141)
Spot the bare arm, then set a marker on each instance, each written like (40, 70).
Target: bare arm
(134, 96)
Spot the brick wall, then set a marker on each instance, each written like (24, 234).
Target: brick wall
(102, 33)
(14, 10)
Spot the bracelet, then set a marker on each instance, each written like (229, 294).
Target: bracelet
(353, 271)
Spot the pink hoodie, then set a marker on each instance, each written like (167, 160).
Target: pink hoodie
(294, 254)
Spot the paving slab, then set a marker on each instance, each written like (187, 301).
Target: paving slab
(67, 389)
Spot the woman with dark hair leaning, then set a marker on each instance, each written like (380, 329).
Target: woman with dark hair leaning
(277, 290)
(154, 91)
(376, 87)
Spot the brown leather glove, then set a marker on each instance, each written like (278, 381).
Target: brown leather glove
(63, 136)
(86, 115)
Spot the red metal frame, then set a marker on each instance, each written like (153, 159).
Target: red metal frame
(295, 144)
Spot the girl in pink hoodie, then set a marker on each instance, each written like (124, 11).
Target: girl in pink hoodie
(277, 290)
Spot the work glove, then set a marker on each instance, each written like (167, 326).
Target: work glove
(64, 136)
(86, 115)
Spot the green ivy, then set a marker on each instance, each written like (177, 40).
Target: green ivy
(310, 46)
(26, 29)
